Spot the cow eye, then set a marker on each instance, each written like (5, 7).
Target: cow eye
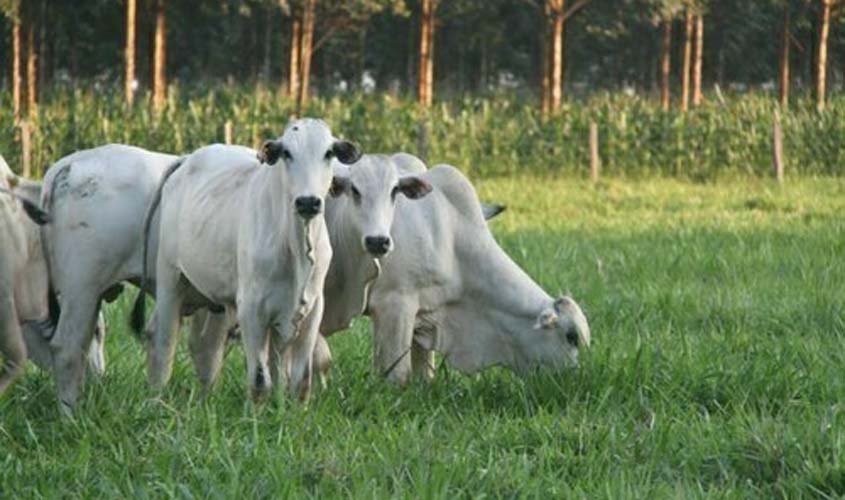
(572, 338)
(329, 155)
(287, 155)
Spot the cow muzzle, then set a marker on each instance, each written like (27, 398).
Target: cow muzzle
(378, 246)
(308, 206)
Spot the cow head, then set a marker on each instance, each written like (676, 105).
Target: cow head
(374, 185)
(305, 152)
(560, 331)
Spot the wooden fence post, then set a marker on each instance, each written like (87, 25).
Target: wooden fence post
(26, 146)
(595, 159)
(227, 132)
(777, 148)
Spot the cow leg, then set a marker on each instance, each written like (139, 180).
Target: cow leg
(168, 312)
(301, 355)
(209, 332)
(256, 346)
(322, 363)
(96, 352)
(422, 361)
(71, 342)
(12, 346)
(393, 326)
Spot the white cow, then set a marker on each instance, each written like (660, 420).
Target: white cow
(25, 322)
(96, 200)
(252, 238)
(446, 286)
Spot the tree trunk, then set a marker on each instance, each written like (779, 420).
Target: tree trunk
(268, 37)
(160, 62)
(556, 83)
(305, 51)
(665, 64)
(31, 69)
(545, 54)
(17, 71)
(293, 69)
(698, 61)
(426, 17)
(821, 65)
(130, 52)
(429, 70)
(784, 59)
(685, 69)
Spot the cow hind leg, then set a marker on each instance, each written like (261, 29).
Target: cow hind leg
(322, 360)
(422, 361)
(209, 332)
(70, 345)
(12, 346)
(167, 320)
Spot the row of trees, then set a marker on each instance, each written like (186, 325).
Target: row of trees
(590, 43)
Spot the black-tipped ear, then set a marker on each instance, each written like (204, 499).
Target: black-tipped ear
(346, 152)
(414, 187)
(34, 212)
(340, 185)
(491, 211)
(270, 152)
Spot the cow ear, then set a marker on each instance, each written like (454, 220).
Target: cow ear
(13, 180)
(414, 187)
(270, 152)
(340, 185)
(346, 152)
(547, 319)
(563, 303)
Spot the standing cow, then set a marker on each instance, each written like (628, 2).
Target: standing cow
(25, 325)
(444, 284)
(96, 200)
(251, 238)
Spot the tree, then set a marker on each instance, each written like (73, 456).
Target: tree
(785, 41)
(685, 69)
(12, 10)
(821, 61)
(129, 54)
(305, 51)
(665, 64)
(31, 63)
(425, 76)
(160, 57)
(698, 61)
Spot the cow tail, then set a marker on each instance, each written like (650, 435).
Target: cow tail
(139, 309)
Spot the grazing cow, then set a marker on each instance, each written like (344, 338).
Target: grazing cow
(25, 323)
(446, 286)
(96, 201)
(253, 239)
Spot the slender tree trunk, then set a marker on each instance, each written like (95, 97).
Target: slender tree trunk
(31, 69)
(42, 49)
(268, 37)
(545, 54)
(784, 59)
(17, 71)
(698, 60)
(821, 67)
(665, 64)
(685, 69)
(426, 45)
(429, 70)
(160, 62)
(557, 59)
(129, 54)
(293, 68)
(305, 51)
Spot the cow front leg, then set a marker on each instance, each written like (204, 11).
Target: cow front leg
(168, 310)
(422, 361)
(256, 347)
(301, 353)
(393, 328)
(12, 345)
(209, 332)
(71, 342)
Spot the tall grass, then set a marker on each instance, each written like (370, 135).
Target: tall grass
(485, 137)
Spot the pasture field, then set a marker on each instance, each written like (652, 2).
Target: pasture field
(718, 320)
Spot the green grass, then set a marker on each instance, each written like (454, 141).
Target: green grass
(718, 317)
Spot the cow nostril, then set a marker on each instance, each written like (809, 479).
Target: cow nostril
(377, 245)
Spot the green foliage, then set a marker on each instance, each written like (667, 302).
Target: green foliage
(483, 136)
(716, 371)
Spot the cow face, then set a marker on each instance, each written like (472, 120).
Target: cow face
(305, 152)
(561, 330)
(374, 186)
